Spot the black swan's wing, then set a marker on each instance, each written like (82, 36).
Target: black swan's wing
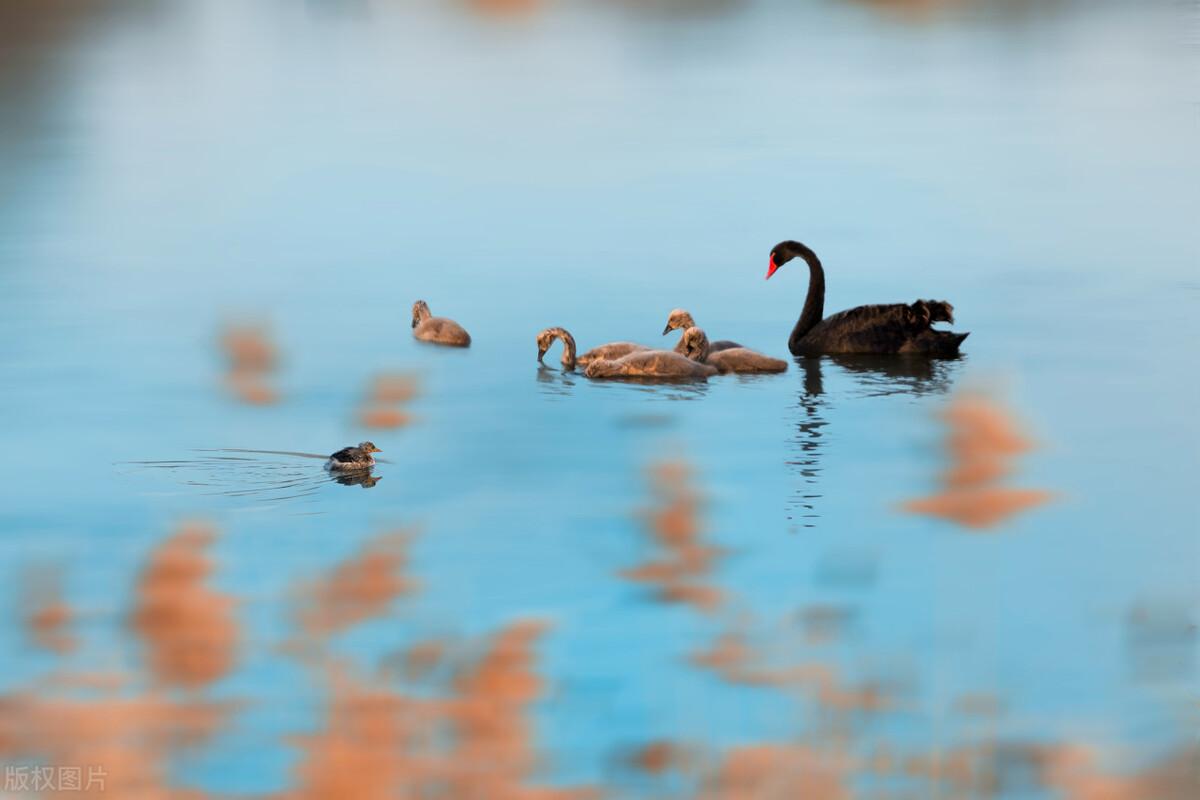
(883, 328)
(879, 328)
(935, 343)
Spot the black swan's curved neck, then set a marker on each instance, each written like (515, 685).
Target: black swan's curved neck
(814, 303)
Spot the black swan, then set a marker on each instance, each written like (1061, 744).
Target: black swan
(437, 330)
(682, 320)
(893, 328)
(734, 359)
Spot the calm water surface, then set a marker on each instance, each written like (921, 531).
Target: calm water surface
(168, 167)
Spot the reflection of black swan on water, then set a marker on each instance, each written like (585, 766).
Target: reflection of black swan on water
(892, 328)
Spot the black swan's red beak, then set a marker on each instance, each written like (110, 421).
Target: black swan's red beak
(772, 266)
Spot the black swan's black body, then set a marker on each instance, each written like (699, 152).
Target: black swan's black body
(890, 328)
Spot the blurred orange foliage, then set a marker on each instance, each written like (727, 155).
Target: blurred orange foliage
(188, 630)
(393, 388)
(778, 771)
(249, 348)
(251, 357)
(385, 393)
(506, 6)
(383, 418)
(684, 562)
(47, 616)
(466, 733)
(358, 589)
(981, 443)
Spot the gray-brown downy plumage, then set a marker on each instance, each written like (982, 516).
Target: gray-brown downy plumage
(610, 351)
(546, 338)
(640, 363)
(679, 319)
(656, 364)
(735, 359)
(437, 330)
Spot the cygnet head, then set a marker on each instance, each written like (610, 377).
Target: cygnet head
(546, 338)
(695, 344)
(678, 320)
(420, 312)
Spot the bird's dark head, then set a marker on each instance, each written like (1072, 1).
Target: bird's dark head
(783, 253)
(678, 319)
(369, 447)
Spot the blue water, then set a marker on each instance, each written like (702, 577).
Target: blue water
(167, 167)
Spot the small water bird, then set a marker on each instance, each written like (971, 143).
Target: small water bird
(682, 320)
(612, 350)
(639, 363)
(659, 364)
(353, 458)
(694, 345)
(437, 330)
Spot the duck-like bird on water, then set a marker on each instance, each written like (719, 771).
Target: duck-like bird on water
(892, 328)
(610, 351)
(640, 363)
(694, 344)
(350, 459)
(680, 319)
(437, 330)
